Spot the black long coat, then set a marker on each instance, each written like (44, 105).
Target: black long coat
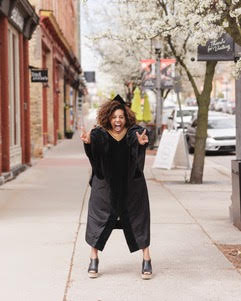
(103, 214)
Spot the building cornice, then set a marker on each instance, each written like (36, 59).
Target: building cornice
(21, 15)
(48, 20)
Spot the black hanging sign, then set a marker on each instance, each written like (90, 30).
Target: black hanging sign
(39, 75)
(221, 49)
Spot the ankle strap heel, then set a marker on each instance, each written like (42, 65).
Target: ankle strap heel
(146, 272)
(93, 268)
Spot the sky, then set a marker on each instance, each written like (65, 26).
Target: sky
(89, 59)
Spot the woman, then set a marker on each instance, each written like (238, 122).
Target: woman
(119, 197)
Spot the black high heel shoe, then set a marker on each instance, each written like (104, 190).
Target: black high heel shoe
(93, 268)
(146, 272)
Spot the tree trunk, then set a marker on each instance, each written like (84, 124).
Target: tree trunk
(203, 101)
(200, 142)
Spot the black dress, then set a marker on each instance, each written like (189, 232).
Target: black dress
(118, 170)
(119, 198)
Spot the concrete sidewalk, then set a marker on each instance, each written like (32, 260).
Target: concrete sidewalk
(44, 255)
(39, 219)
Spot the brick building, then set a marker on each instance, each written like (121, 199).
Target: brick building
(55, 47)
(18, 20)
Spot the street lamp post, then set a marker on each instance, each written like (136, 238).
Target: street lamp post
(235, 208)
(157, 45)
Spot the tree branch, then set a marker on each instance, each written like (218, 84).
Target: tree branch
(181, 62)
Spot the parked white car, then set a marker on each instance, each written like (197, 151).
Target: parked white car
(229, 107)
(221, 133)
(191, 102)
(220, 104)
(187, 113)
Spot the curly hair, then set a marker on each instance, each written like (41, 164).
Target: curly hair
(108, 108)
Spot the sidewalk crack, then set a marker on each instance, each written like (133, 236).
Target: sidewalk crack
(68, 282)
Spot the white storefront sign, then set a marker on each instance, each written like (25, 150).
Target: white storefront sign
(17, 18)
(172, 151)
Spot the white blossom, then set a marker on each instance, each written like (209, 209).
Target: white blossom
(132, 24)
(237, 70)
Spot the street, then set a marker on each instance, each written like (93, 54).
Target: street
(45, 257)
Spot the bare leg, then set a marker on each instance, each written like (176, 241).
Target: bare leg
(93, 253)
(146, 254)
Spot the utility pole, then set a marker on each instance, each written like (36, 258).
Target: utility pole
(235, 208)
(157, 44)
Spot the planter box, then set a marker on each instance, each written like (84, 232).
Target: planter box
(69, 135)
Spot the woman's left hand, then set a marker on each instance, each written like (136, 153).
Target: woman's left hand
(142, 138)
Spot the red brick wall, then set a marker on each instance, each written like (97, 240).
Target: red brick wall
(1, 45)
(66, 15)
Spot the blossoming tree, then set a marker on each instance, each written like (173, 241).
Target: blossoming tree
(112, 39)
(182, 26)
(171, 21)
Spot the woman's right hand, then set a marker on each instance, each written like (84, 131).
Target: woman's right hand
(85, 136)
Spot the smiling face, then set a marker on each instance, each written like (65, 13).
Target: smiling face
(118, 121)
